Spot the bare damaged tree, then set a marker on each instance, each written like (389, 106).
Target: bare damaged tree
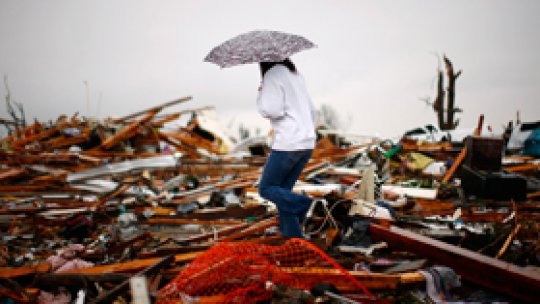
(18, 118)
(449, 122)
(329, 117)
(243, 132)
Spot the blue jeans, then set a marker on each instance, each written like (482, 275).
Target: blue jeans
(280, 173)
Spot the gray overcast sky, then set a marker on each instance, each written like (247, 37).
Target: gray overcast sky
(374, 62)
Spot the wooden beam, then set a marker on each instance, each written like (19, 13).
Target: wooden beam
(53, 280)
(132, 266)
(210, 235)
(521, 168)
(533, 195)
(260, 226)
(155, 109)
(180, 221)
(483, 270)
(26, 140)
(127, 132)
(371, 280)
(112, 195)
(455, 165)
(8, 272)
(109, 296)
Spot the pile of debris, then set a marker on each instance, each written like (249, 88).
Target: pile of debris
(121, 210)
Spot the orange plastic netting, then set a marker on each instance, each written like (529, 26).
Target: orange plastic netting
(239, 272)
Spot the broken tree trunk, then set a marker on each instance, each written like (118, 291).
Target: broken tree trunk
(447, 122)
(438, 104)
(450, 110)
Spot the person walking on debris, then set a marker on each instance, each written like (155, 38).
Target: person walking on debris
(283, 99)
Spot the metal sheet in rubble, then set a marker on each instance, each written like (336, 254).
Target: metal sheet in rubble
(106, 186)
(151, 163)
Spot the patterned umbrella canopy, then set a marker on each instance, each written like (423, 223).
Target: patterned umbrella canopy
(257, 46)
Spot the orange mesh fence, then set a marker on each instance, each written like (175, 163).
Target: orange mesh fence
(238, 273)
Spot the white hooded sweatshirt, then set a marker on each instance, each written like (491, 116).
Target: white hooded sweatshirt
(284, 100)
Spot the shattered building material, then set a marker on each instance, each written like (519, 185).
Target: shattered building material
(85, 205)
(492, 273)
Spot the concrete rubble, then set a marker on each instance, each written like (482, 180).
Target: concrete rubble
(126, 210)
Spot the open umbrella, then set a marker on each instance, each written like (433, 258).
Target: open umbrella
(257, 46)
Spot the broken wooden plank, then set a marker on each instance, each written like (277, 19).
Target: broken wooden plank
(15, 297)
(210, 235)
(8, 272)
(155, 109)
(371, 280)
(132, 266)
(112, 195)
(508, 240)
(26, 140)
(457, 162)
(13, 173)
(21, 188)
(483, 270)
(258, 227)
(109, 296)
(173, 116)
(522, 168)
(53, 280)
(533, 195)
(181, 221)
(19, 133)
(127, 132)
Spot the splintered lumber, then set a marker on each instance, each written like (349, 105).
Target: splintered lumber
(192, 140)
(21, 132)
(127, 132)
(219, 233)
(179, 221)
(521, 168)
(155, 109)
(14, 297)
(120, 246)
(189, 150)
(371, 280)
(427, 147)
(26, 140)
(478, 130)
(22, 188)
(533, 195)
(165, 120)
(508, 240)
(53, 280)
(457, 162)
(336, 153)
(241, 182)
(12, 173)
(166, 250)
(112, 195)
(6, 272)
(109, 296)
(483, 270)
(132, 266)
(173, 116)
(260, 226)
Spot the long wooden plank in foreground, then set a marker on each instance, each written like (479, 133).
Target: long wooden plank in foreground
(132, 266)
(9, 272)
(371, 280)
(483, 270)
(110, 295)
